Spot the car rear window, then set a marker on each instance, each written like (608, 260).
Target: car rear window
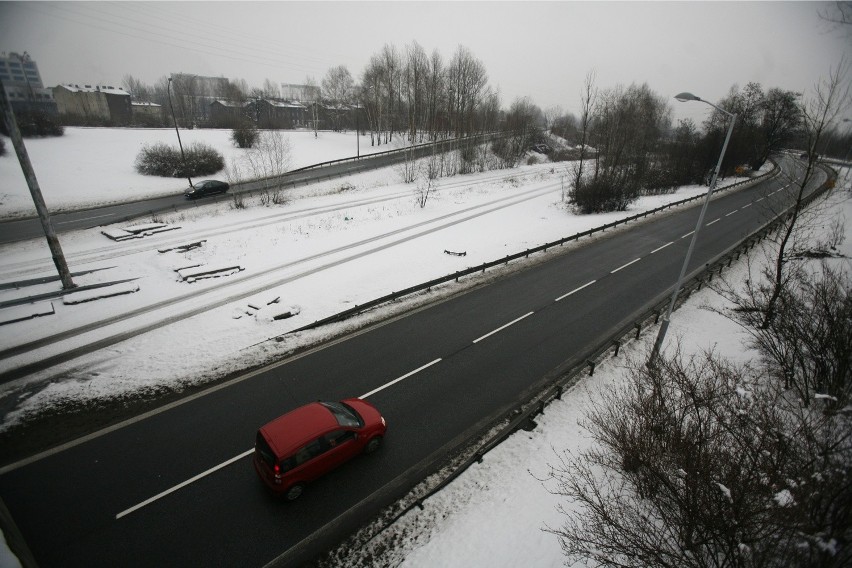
(345, 414)
(262, 447)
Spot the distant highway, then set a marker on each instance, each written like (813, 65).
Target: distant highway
(176, 487)
(30, 228)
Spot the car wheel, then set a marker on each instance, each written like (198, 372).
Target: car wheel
(294, 492)
(373, 445)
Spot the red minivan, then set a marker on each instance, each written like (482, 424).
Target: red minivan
(310, 441)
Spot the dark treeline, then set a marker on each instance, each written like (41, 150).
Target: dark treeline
(629, 146)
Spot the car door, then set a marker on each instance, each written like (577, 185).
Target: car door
(342, 446)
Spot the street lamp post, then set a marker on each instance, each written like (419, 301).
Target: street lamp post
(664, 326)
(182, 157)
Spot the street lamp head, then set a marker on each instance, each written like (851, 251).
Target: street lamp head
(683, 97)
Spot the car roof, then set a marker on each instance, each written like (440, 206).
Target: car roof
(289, 432)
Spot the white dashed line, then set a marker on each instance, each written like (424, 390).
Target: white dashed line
(214, 469)
(662, 247)
(731, 213)
(756, 200)
(625, 266)
(182, 485)
(688, 234)
(575, 290)
(501, 328)
(746, 205)
(402, 378)
(713, 221)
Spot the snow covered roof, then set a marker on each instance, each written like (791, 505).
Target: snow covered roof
(231, 104)
(144, 103)
(110, 90)
(281, 104)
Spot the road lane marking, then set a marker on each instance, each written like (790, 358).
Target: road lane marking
(83, 219)
(731, 213)
(746, 205)
(214, 469)
(756, 200)
(502, 327)
(713, 221)
(182, 485)
(688, 234)
(563, 296)
(658, 249)
(625, 266)
(402, 378)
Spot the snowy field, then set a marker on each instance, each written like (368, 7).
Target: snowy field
(332, 245)
(95, 166)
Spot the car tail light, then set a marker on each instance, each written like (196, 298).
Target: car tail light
(276, 469)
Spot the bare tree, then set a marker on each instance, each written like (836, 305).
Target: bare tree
(588, 105)
(337, 88)
(701, 463)
(830, 97)
(138, 90)
(313, 106)
(268, 160)
(839, 13)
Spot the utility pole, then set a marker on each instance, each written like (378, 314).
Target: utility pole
(182, 157)
(35, 190)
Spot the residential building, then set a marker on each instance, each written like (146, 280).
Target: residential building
(280, 114)
(229, 114)
(193, 95)
(146, 114)
(22, 82)
(93, 104)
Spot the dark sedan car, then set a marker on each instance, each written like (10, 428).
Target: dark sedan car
(206, 187)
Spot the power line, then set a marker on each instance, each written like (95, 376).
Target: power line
(171, 43)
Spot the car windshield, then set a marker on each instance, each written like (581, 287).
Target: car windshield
(345, 414)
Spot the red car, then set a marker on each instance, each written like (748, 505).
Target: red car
(308, 442)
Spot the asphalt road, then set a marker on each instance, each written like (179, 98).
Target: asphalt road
(30, 228)
(477, 354)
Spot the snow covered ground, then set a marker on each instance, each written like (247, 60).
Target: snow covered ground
(332, 245)
(95, 166)
(497, 513)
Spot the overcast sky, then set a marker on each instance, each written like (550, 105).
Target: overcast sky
(538, 49)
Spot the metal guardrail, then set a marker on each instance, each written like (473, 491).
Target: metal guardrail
(527, 410)
(503, 261)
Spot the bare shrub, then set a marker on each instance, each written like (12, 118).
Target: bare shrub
(245, 135)
(702, 463)
(167, 161)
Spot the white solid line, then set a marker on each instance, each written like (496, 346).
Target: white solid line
(731, 213)
(686, 235)
(562, 297)
(182, 485)
(626, 265)
(501, 328)
(662, 247)
(713, 221)
(393, 382)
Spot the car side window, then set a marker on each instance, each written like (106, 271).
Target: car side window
(310, 451)
(338, 437)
